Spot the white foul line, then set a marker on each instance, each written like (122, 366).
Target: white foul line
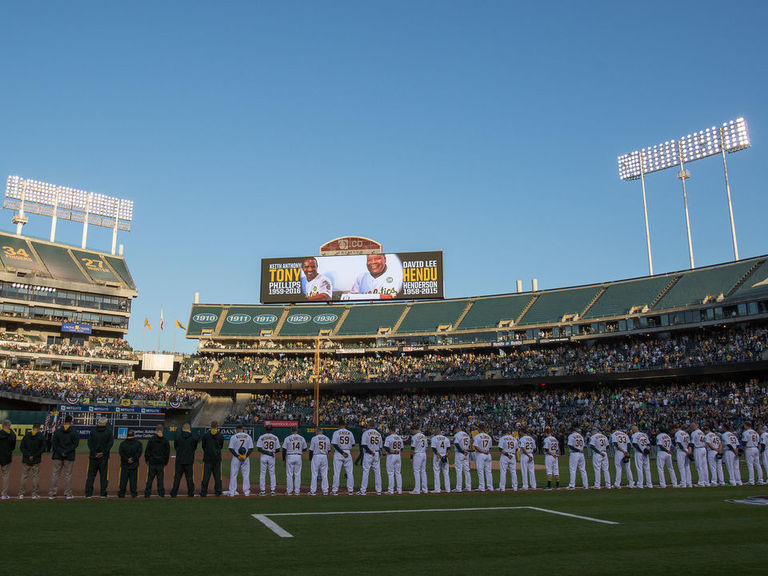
(272, 525)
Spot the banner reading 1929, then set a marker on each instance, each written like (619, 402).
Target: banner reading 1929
(401, 275)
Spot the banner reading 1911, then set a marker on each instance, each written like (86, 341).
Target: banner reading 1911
(401, 275)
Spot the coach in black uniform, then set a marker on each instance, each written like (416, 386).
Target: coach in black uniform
(99, 444)
(185, 446)
(212, 444)
(32, 448)
(130, 455)
(156, 453)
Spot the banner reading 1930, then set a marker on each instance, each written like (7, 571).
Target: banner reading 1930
(401, 275)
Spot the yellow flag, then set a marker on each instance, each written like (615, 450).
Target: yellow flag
(146, 323)
(180, 325)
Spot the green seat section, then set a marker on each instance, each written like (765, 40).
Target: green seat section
(427, 316)
(250, 320)
(119, 266)
(488, 312)
(619, 298)
(368, 318)
(550, 307)
(696, 285)
(309, 320)
(16, 254)
(59, 262)
(755, 285)
(202, 318)
(95, 266)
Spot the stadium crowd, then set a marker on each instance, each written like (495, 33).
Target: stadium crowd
(649, 353)
(97, 347)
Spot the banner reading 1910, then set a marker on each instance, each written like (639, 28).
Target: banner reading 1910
(401, 275)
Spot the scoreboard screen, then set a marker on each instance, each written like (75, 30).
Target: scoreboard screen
(395, 275)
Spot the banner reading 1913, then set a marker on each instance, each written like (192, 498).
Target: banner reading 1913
(401, 275)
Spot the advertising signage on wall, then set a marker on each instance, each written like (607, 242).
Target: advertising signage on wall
(401, 275)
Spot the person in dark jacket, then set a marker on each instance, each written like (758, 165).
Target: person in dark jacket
(32, 448)
(185, 446)
(157, 453)
(99, 445)
(7, 446)
(212, 444)
(63, 445)
(130, 456)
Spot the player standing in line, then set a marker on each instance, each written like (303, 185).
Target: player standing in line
(379, 278)
(342, 441)
(240, 446)
(598, 444)
(527, 472)
(32, 448)
(157, 453)
(317, 287)
(700, 456)
(731, 451)
(751, 442)
(419, 456)
(621, 461)
(440, 446)
(212, 443)
(508, 460)
(185, 445)
(99, 446)
(393, 444)
(483, 443)
(552, 459)
(461, 460)
(576, 460)
(293, 447)
(642, 446)
(764, 449)
(682, 455)
(319, 447)
(371, 444)
(267, 444)
(714, 456)
(664, 458)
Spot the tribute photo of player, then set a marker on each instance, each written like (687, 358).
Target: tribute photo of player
(316, 286)
(384, 277)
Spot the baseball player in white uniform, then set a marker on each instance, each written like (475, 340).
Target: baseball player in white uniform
(621, 460)
(642, 446)
(371, 444)
(527, 472)
(461, 442)
(508, 460)
(268, 444)
(714, 457)
(315, 285)
(598, 444)
(551, 459)
(751, 442)
(731, 456)
(483, 444)
(664, 459)
(440, 446)
(576, 460)
(319, 447)
(342, 441)
(419, 444)
(764, 449)
(700, 456)
(241, 446)
(293, 447)
(380, 278)
(393, 445)
(683, 452)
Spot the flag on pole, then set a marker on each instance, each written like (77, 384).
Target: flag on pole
(146, 323)
(180, 325)
(161, 318)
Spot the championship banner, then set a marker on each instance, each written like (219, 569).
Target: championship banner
(401, 275)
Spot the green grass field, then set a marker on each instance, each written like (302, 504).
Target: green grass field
(680, 531)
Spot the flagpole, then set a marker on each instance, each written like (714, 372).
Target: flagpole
(161, 330)
(174, 339)
(144, 339)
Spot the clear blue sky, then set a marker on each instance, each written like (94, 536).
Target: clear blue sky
(488, 130)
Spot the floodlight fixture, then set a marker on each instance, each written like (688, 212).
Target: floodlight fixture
(729, 137)
(45, 199)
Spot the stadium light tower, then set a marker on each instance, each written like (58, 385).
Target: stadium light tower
(30, 196)
(730, 137)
